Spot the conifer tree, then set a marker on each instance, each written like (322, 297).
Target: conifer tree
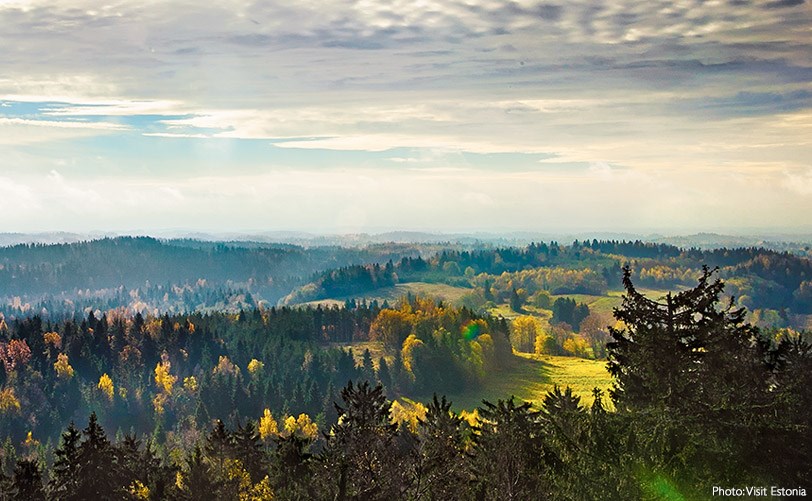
(65, 476)
(441, 466)
(361, 460)
(97, 469)
(686, 353)
(27, 481)
(248, 449)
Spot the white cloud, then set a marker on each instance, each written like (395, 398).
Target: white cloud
(623, 87)
(62, 124)
(799, 182)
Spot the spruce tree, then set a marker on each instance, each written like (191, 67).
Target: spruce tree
(65, 474)
(27, 481)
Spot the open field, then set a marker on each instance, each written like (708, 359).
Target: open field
(375, 348)
(445, 292)
(530, 377)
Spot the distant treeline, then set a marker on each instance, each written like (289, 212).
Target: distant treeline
(760, 278)
(179, 275)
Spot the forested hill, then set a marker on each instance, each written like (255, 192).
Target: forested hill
(158, 271)
(759, 278)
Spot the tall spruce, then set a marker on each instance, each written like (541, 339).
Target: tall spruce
(686, 352)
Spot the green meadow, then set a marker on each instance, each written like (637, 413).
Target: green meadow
(529, 377)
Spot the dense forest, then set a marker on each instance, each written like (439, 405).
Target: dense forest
(144, 274)
(701, 399)
(177, 373)
(778, 284)
(142, 369)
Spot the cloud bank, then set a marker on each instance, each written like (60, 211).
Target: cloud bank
(488, 114)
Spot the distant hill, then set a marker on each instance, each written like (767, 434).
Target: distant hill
(182, 274)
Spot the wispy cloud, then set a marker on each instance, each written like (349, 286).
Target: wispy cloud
(610, 94)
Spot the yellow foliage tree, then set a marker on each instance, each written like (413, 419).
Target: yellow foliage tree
(407, 413)
(255, 367)
(477, 359)
(411, 346)
(225, 367)
(261, 491)
(163, 379)
(268, 427)
(301, 426)
(53, 339)
(391, 327)
(488, 351)
(138, 490)
(62, 367)
(523, 333)
(159, 403)
(236, 474)
(9, 401)
(472, 418)
(540, 344)
(31, 442)
(106, 386)
(190, 384)
(576, 346)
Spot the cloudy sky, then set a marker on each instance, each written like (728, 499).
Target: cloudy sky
(452, 115)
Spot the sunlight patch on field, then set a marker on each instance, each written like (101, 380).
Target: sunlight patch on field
(530, 377)
(376, 350)
(392, 295)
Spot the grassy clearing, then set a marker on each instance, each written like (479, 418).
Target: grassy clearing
(444, 292)
(376, 350)
(530, 377)
(603, 305)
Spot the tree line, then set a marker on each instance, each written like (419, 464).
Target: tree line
(701, 398)
(169, 374)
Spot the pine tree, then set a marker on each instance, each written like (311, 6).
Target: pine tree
(441, 468)
(384, 375)
(367, 367)
(27, 481)
(248, 449)
(64, 482)
(510, 454)
(686, 354)
(97, 470)
(361, 460)
(198, 480)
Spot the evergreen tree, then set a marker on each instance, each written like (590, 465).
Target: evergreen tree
(97, 470)
(367, 367)
(516, 302)
(361, 459)
(65, 480)
(384, 375)
(292, 468)
(247, 447)
(27, 481)
(198, 480)
(510, 454)
(441, 467)
(686, 354)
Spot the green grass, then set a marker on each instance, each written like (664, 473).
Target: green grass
(376, 350)
(444, 292)
(603, 305)
(530, 377)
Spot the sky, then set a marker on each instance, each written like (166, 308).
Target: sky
(449, 116)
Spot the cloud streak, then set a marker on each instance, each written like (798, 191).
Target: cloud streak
(154, 91)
